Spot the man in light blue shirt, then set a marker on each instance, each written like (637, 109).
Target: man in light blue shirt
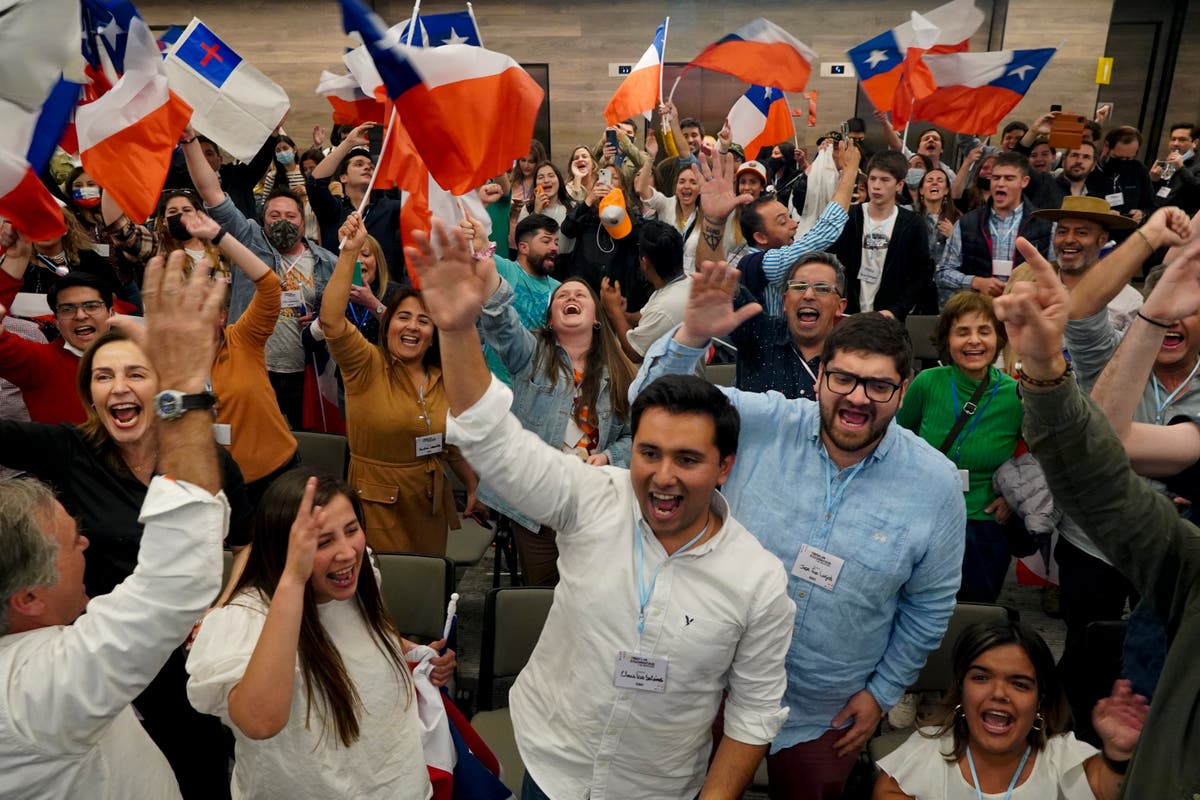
(866, 516)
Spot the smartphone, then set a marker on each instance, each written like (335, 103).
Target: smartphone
(358, 278)
(1056, 107)
(610, 136)
(605, 176)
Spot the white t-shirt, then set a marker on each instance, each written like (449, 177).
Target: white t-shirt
(666, 209)
(877, 237)
(387, 760)
(662, 312)
(922, 772)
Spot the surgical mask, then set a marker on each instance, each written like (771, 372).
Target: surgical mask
(914, 176)
(177, 229)
(285, 157)
(283, 234)
(87, 196)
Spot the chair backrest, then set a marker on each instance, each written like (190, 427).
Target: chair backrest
(920, 330)
(721, 374)
(938, 673)
(324, 452)
(513, 617)
(416, 589)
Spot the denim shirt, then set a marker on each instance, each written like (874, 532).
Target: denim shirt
(542, 407)
(898, 528)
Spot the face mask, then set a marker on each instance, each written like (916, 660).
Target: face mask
(87, 196)
(774, 164)
(914, 176)
(283, 234)
(984, 183)
(285, 157)
(177, 229)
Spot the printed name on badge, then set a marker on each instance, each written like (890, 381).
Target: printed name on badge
(429, 445)
(644, 673)
(817, 567)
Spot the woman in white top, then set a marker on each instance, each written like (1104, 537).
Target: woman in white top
(1003, 730)
(550, 198)
(583, 168)
(679, 210)
(179, 205)
(304, 664)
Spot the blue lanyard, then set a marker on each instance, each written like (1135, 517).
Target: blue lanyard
(962, 437)
(1160, 412)
(833, 500)
(644, 592)
(1011, 785)
(358, 322)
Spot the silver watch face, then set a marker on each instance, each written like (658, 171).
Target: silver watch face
(169, 404)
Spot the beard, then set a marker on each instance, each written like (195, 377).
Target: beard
(852, 441)
(544, 265)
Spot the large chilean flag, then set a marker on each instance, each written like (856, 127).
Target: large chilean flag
(878, 61)
(760, 52)
(638, 93)
(760, 118)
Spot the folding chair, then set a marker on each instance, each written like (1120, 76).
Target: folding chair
(323, 452)
(416, 589)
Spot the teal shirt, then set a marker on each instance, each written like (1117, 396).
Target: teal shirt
(530, 301)
(984, 443)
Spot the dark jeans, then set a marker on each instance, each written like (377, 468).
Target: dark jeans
(289, 394)
(531, 791)
(538, 554)
(809, 770)
(985, 561)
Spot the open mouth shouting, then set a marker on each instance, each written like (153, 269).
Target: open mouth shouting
(343, 580)
(84, 333)
(571, 308)
(664, 506)
(807, 316)
(1174, 340)
(996, 722)
(854, 420)
(125, 416)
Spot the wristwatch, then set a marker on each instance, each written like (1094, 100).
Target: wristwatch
(170, 404)
(379, 309)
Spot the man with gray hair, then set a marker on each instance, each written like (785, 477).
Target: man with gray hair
(67, 728)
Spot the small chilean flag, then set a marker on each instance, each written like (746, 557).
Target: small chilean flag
(351, 105)
(878, 61)
(639, 93)
(470, 111)
(974, 91)
(137, 123)
(760, 118)
(760, 52)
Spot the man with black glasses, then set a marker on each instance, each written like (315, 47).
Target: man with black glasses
(830, 487)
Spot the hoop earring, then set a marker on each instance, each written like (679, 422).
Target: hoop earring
(959, 713)
(1039, 722)
(595, 326)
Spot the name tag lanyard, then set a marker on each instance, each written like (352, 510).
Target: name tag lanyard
(1160, 412)
(833, 497)
(975, 414)
(644, 591)
(424, 410)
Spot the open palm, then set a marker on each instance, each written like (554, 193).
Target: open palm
(454, 285)
(710, 312)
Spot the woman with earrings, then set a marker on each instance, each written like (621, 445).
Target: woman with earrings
(570, 382)
(1003, 730)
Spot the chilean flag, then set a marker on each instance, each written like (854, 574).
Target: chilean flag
(760, 52)
(878, 61)
(127, 136)
(639, 92)
(972, 92)
(351, 105)
(760, 118)
(470, 111)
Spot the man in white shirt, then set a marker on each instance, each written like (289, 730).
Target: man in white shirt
(660, 254)
(67, 728)
(664, 604)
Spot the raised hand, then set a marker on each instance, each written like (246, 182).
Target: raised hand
(611, 298)
(353, 234)
(318, 136)
(201, 225)
(302, 540)
(651, 146)
(358, 137)
(717, 198)
(1118, 719)
(1167, 227)
(710, 310)
(454, 285)
(1177, 293)
(181, 315)
(1035, 313)
(474, 229)
(490, 193)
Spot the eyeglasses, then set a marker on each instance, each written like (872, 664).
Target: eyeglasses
(820, 289)
(844, 383)
(91, 308)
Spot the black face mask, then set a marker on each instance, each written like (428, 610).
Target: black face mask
(283, 234)
(774, 164)
(177, 229)
(984, 183)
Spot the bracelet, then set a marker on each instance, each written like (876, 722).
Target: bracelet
(715, 223)
(216, 240)
(1153, 322)
(1145, 239)
(187, 141)
(1045, 384)
(485, 253)
(1118, 767)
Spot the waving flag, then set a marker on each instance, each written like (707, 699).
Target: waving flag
(974, 91)
(760, 52)
(760, 118)
(639, 92)
(470, 111)
(351, 105)
(35, 99)
(127, 136)
(236, 105)
(878, 61)
(435, 30)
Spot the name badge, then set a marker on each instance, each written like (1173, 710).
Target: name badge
(817, 567)
(870, 273)
(223, 433)
(644, 673)
(1001, 268)
(292, 298)
(965, 476)
(1163, 192)
(1115, 199)
(429, 445)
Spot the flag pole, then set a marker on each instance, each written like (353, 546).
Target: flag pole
(678, 78)
(475, 22)
(662, 60)
(904, 138)
(412, 23)
(788, 105)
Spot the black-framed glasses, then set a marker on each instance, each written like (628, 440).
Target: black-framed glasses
(877, 389)
(820, 288)
(91, 308)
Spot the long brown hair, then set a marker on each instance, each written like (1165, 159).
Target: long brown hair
(169, 244)
(433, 356)
(92, 429)
(605, 356)
(327, 684)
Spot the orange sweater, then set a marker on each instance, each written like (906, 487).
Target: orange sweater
(262, 440)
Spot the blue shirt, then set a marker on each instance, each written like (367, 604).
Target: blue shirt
(778, 262)
(898, 528)
(531, 299)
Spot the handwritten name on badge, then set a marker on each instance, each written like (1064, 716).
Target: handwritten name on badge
(644, 673)
(817, 567)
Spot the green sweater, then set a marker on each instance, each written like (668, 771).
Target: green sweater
(984, 443)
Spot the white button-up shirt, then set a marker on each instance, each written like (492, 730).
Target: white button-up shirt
(719, 614)
(66, 726)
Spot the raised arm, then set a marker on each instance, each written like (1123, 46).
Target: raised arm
(337, 291)
(851, 158)
(204, 178)
(329, 164)
(965, 173)
(717, 202)
(889, 133)
(205, 227)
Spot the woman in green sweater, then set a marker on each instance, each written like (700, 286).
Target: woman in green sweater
(969, 336)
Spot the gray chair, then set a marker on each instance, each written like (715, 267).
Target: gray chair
(467, 546)
(512, 622)
(416, 589)
(921, 330)
(323, 452)
(721, 374)
(938, 672)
